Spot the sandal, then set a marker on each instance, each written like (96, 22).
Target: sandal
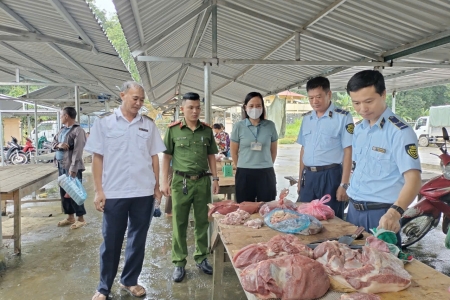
(135, 291)
(77, 225)
(65, 222)
(99, 296)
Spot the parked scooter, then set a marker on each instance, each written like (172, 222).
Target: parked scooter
(14, 154)
(419, 219)
(29, 150)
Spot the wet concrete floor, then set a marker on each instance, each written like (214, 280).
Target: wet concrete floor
(59, 263)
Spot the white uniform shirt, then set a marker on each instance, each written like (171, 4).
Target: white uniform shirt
(127, 149)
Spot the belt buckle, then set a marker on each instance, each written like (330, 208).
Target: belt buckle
(359, 206)
(194, 177)
(313, 169)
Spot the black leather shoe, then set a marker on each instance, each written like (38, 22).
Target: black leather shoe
(205, 267)
(178, 274)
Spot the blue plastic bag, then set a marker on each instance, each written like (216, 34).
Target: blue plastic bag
(294, 225)
(157, 211)
(73, 187)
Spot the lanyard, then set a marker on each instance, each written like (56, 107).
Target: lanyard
(256, 136)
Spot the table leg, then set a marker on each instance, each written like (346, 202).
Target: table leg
(17, 223)
(219, 251)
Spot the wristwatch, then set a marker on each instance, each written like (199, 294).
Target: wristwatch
(345, 185)
(400, 210)
(215, 178)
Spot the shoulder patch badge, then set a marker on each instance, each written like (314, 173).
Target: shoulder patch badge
(341, 111)
(174, 123)
(350, 127)
(307, 113)
(105, 114)
(147, 117)
(359, 122)
(399, 124)
(411, 150)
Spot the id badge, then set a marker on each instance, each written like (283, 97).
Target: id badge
(255, 146)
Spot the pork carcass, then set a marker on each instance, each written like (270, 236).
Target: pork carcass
(371, 271)
(279, 245)
(281, 203)
(360, 296)
(226, 206)
(235, 218)
(290, 277)
(378, 244)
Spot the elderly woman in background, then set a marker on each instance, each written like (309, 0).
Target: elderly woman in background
(254, 142)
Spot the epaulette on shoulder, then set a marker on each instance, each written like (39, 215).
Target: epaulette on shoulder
(145, 116)
(359, 122)
(206, 124)
(105, 114)
(174, 123)
(307, 113)
(341, 111)
(399, 124)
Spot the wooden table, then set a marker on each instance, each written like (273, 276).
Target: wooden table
(226, 184)
(19, 181)
(427, 283)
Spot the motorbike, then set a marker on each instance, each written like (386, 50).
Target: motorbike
(29, 149)
(425, 215)
(14, 154)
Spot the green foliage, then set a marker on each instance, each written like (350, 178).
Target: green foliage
(344, 101)
(115, 34)
(291, 134)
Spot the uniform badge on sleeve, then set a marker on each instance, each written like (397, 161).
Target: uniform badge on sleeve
(350, 128)
(411, 149)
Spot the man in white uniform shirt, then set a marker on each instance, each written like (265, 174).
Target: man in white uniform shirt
(125, 167)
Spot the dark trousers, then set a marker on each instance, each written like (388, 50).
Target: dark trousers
(255, 185)
(118, 213)
(369, 219)
(70, 206)
(318, 184)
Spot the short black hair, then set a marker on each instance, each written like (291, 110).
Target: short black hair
(70, 111)
(249, 97)
(217, 126)
(365, 79)
(318, 82)
(191, 96)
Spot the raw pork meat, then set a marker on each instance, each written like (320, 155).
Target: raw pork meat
(360, 296)
(371, 271)
(226, 206)
(279, 245)
(378, 244)
(255, 223)
(281, 203)
(235, 218)
(290, 277)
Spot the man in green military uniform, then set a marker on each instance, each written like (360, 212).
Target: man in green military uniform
(191, 147)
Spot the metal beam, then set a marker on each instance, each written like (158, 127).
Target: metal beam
(297, 45)
(423, 85)
(71, 21)
(15, 16)
(166, 79)
(171, 29)
(37, 84)
(420, 48)
(404, 73)
(207, 92)
(323, 13)
(215, 96)
(302, 82)
(27, 36)
(214, 28)
(417, 44)
(17, 51)
(80, 67)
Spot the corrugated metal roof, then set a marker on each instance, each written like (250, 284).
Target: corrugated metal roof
(57, 63)
(346, 31)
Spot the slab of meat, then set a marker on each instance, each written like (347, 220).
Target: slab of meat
(360, 296)
(281, 216)
(378, 244)
(226, 206)
(281, 203)
(290, 277)
(255, 223)
(279, 245)
(235, 218)
(371, 271)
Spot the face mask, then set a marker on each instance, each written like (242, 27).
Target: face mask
(254, 113)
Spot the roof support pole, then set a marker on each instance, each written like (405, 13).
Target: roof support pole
(17, 75)
(2, 142)
(77, 103)
(58, 121)
(35, 124)
(393, 101)
(107, 108)
(177, 110)
(214, 28)
(207, 78)
(89, 124)
(297, 45)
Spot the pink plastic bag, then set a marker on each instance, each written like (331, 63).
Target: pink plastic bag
(318, 209)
